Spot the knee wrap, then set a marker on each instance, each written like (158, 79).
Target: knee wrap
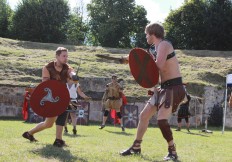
(119, 115)
(165, 129)
(106, 113)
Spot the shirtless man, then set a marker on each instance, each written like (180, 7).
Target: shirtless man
(166, 99)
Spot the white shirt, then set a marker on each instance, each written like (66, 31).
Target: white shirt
(73, 91)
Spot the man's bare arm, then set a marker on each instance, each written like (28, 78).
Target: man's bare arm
(124, 60)
(45, 74)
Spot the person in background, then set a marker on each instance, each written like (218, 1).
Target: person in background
(183, 113)
(112, 99)
(74, 90)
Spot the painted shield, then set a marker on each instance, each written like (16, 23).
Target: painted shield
(83, 113)
(50, 98)
(130, 116)
(143, 68)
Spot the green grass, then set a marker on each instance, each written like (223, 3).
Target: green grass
(94, 145)
(22, 61)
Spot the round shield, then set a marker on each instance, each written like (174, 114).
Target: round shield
(50, 98)
(143, 68)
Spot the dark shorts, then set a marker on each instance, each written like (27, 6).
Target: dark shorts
(180, 118)
(61, 119)
(170, 94)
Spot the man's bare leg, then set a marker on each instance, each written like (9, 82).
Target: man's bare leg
(179, 127)
(74, 122)
(144, 118)
(106, 113)
(59, 130)
(48, 123)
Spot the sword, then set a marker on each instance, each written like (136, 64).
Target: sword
(75, 76)
(78, 68)
(120, 60)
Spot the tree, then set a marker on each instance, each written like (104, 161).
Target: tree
(138, 28)
(185, 27)
(76, 30)
(5, 18)
(201, 24)
(41, 20)
(76, 26)
(219, 22)
(113, 22)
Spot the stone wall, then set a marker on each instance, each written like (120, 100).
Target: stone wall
(11, 102)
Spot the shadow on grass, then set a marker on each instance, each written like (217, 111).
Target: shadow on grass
(146, 158)
(73, 135)
(49, 151)
(197, 134)
(120, 133)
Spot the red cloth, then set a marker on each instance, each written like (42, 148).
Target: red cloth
(25, 106)
(113, 113)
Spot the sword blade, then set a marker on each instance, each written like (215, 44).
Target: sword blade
(108, 57)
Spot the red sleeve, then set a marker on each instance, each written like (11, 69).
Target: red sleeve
(25, 107)
(124, 100)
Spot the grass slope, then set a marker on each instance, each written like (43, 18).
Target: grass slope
(94, 145)
(21, 64)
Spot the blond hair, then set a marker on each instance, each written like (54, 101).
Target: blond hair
(60, 49)
(155, 29)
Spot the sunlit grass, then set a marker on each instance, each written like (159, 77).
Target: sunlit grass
(92, 144)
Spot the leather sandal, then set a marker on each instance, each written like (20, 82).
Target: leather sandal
(171, 155)
(134, 149)
(29, 137)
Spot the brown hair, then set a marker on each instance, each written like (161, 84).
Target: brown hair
(60, 49)
(155, 29)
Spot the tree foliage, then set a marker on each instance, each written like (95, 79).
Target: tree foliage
(5, 18)
(41, 20)
(201, 24)
(113, 22)
(77, 27)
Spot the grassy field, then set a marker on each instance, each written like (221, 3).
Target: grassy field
(94, 145)
(22, 61)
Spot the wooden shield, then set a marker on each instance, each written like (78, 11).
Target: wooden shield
(50, 98)
(143, 68)
(130, 116)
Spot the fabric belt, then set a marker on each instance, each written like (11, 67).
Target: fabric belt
(73, 99)
(171, 82)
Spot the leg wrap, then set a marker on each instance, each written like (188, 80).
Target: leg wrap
(165, 129)
(106, 113)
(119, 115)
